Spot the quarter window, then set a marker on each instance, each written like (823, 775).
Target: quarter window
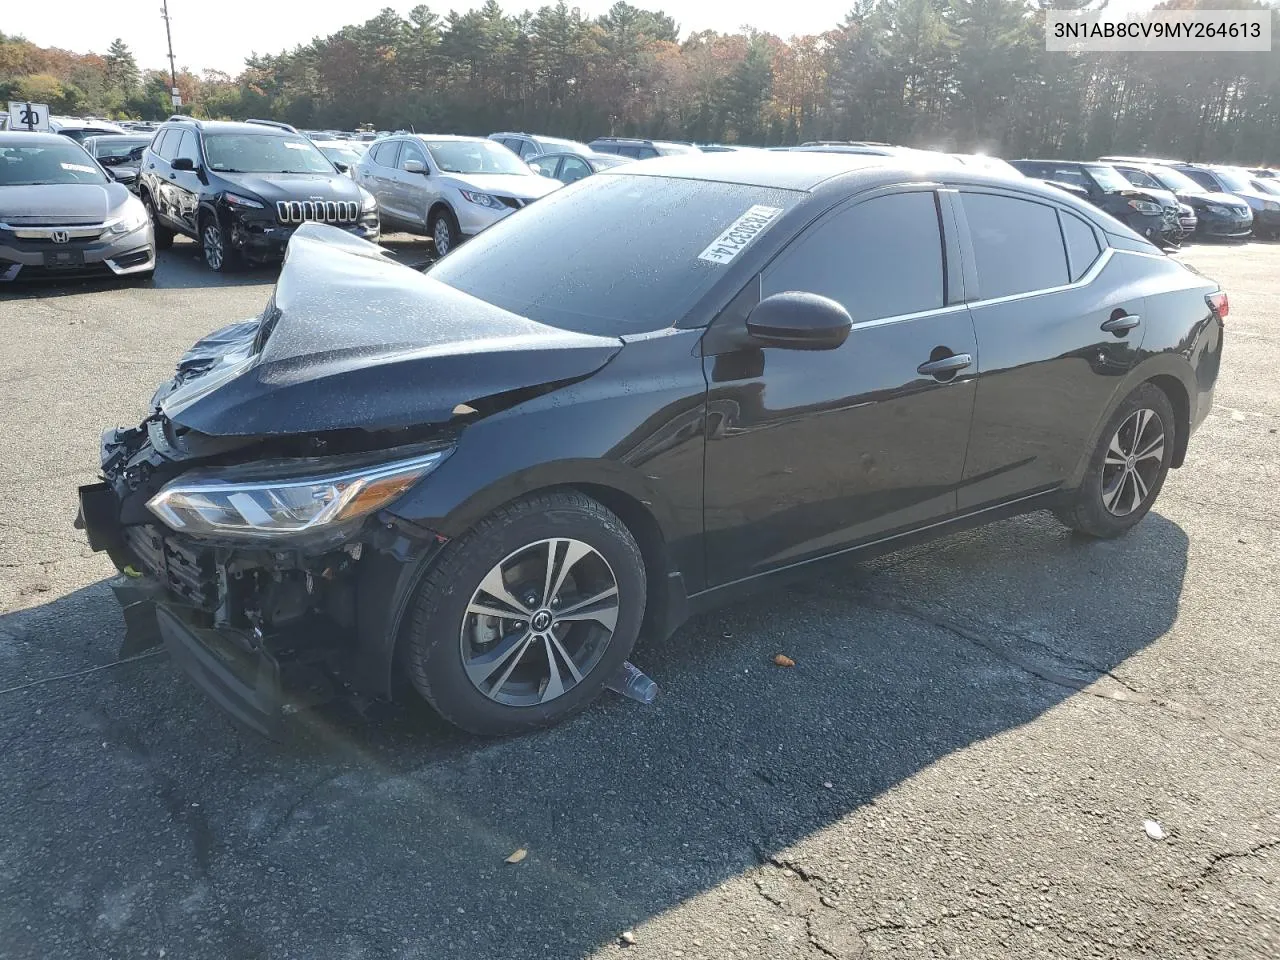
(1017, 245)
(1082, 244)
(879, 258)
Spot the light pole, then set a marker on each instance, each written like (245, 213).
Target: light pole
(173, 70)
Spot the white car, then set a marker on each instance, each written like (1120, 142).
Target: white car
(449, 188)
(348, 153)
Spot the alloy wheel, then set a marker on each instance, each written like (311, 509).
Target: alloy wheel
(1133, 461)
(442, 236)
(212, 245)
(539, 622)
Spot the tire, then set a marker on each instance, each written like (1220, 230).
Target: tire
(163, 235)
(492, 675)
(1125, 472)
(443, 227)
(219, 256)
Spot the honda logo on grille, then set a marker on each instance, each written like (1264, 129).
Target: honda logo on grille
(60, 236)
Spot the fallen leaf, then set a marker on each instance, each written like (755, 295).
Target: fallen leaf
(783, 660)
(518, 855)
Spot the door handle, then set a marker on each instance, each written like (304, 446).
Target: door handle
(1122, 324)
(951, 364)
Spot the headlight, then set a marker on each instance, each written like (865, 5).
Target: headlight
(204, 504)
(368, 202)
(483, 199)
(1270, 205)
(134, 216)
(1145, 206)
(238, 201)
(1217, 208)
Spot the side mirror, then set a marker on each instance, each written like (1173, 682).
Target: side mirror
(183, 163)
(799, 321)
(342, 167)
(414, 166)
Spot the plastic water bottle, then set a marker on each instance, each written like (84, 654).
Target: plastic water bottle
(631, 681)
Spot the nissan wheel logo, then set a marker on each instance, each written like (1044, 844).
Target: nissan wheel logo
(60, 236)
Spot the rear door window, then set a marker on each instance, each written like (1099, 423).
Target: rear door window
(1017, 245)
(879, 258)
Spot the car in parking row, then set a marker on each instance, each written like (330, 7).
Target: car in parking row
(572, 167)
(120, 154)
(1219, 215)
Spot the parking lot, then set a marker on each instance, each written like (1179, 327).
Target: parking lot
(960, 763)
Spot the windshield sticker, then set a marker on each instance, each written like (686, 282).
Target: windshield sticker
(297, 146)
(77, 167)
(740, 233)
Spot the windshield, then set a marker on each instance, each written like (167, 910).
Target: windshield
(1109, 178)
(39, 163)
(1175, 180)
(342, 155)
(1267, 185)
(1236, 180)
(117, 147)
(475, 156)
(263, 153)
(610, 255)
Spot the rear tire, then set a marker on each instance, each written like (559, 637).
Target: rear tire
(1128, 466)
(508, 669)
(163, 235)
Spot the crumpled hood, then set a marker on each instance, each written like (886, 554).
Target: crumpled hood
(294, 186)
(507, 184)
(60, 203)
(356, 341)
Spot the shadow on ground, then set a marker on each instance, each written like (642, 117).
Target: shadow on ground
(145, 820)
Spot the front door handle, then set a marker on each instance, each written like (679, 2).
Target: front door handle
(944, 366)
(1121, 324)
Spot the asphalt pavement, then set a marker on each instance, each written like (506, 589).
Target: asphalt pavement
(961, 763)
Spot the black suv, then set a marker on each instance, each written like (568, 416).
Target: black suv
(1153, 214)
(241, 189)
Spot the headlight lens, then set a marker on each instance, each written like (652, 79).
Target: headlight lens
(287, 507)
(368, 202)
(1270, 205)
(1216, 208)
(483, 199)
(1145, 206)
(238, 201)
(134, 216)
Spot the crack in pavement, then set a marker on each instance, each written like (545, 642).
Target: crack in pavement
(1130, 694)
(1216, 860)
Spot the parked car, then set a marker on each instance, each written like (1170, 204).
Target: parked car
(120, 154)
(673, 382)
(1219, 215)
(571, 167)
(447, 187)
(60, 214)
(1237, 182)
(241, 189)
(1153, 214)
(528, 145)
(988, 164)
(1263, 173)
(722, 147)
(343, 154)
(1188, 222)
(77, 129)
(639, 149)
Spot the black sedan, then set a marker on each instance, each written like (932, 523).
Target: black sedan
(572, 167)
(1153, 215)
(679, 379)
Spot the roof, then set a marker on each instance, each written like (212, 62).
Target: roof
(23, 138)
(228, 126)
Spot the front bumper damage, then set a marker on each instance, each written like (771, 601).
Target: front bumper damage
(263, 631)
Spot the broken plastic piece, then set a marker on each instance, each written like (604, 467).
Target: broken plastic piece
(631, 681)
(1154, 830)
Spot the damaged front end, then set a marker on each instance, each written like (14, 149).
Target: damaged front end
(253, 574)
(249, 513)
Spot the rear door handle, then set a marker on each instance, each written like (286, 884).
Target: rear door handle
(933, 368)
(1122, 324)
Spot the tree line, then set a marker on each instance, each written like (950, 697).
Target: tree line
(969, 75)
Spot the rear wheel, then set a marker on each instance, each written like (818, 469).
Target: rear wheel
(1128, 466)
(163, 235)
(523, 619)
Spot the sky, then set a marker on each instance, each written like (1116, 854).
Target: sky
(219, 34)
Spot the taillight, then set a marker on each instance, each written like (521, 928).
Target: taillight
(1218, 304)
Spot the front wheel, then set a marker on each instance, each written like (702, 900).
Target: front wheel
(444, 232)
(523, 619)
(1128, 466)
(218, 254)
